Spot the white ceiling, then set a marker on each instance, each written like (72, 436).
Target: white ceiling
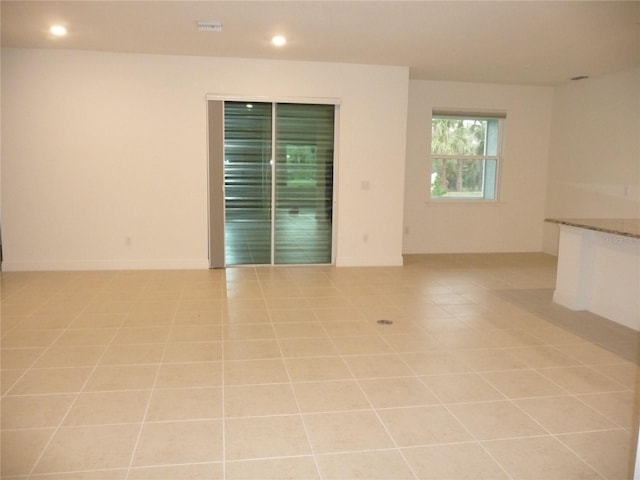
(519, 42)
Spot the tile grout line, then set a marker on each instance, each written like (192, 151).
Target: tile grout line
(471, 434)
(550, 433)
(152, 389)
(375, 411)
(77, 394)
(475, 438)
(224, 312)
(290, 383)
(353, 364)
(53, 341)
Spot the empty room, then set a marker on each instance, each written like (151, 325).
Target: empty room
(320, 240)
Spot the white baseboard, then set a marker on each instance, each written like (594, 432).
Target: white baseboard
(87, 265)
(164, 264)
(369, 261)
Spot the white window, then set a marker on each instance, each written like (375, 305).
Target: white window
(465, 156)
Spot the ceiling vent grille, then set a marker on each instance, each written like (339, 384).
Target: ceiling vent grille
(210, 26)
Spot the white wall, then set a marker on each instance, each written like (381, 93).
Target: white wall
(594, 167)
(101, 147)
(636, 475)
(515, 222)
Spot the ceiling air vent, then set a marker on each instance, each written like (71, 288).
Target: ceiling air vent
(210, 26)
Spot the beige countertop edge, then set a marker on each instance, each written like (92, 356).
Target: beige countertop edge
(628, 227)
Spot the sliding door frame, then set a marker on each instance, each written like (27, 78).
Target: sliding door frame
(215, 172)
(215, 169)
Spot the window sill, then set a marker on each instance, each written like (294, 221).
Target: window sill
(464, 202)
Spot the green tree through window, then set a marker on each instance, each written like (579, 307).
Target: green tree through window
(464, 153)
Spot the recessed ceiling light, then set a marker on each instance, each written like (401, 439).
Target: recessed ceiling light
(58, 30)
(278, 40)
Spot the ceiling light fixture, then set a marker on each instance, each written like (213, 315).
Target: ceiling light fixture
(278, 40)
(58, 30)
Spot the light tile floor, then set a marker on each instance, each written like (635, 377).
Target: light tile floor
(285, 373)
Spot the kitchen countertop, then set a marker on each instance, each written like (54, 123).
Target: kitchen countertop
(628, 227)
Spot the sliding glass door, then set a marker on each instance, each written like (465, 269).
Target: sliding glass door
(278, 182)
(248, 182)
(304, 183)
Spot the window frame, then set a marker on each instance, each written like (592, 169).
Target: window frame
(500, 117)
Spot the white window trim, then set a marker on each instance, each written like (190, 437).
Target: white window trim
(479, 115)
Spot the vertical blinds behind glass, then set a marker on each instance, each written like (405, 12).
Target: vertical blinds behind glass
(294, 211)
(304, 183)
(247, 167)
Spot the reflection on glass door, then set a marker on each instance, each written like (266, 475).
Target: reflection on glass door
(247, 182)
(299, 184)
(304, 183)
